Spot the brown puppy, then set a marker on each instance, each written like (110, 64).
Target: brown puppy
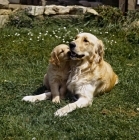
(90, 74)
(56, 77)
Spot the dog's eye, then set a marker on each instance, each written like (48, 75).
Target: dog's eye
(85, 40)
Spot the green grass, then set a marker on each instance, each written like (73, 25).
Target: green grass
(24, 55)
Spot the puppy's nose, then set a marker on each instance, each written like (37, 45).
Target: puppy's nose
(72, 45)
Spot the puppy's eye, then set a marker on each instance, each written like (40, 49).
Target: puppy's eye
(61, 51)
(85, 40)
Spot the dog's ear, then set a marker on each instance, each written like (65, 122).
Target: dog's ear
(99, 51)
(54, 58)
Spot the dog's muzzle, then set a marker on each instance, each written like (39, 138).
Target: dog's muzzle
(72, 53)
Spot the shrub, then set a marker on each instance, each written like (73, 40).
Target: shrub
(109, 15)
(20, 19)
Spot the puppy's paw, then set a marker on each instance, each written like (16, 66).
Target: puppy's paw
(29, 99)
(61, 112)
(56, 99)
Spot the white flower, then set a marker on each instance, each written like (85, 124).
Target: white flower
(30, 39)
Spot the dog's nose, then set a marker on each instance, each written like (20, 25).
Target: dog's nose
(72, 45)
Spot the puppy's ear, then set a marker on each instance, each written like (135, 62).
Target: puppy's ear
(54, 59)
(99, 51)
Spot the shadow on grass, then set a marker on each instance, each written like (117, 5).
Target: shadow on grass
(40, 90)
(69, 96)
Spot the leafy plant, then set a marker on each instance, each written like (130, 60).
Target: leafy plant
(20, 19)
(109, 15)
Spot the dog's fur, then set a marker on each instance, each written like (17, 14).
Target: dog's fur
(90, 74)
(56, 77)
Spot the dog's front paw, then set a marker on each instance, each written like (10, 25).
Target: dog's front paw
(56, 99)
(29, 99)
(61, 112)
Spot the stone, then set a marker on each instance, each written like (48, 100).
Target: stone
(92, 11)
(4, 4)
(77, 10)
(5, 11)
(61, 9)
(35, 10)
(3, 20)
(135, 23)
(50, 10)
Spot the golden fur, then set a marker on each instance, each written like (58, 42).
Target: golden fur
(90, 74)
(56, 77)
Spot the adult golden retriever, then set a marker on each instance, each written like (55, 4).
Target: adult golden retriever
(90, 74)
(56, 77)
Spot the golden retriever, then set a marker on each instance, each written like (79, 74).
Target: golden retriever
(90, 74)
(56, 77)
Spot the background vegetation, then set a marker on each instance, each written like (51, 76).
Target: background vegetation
(25, 46)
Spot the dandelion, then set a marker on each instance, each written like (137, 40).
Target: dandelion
(33, 138)
(115, 42)
(90, 30)
(77, 30)
(67, 42)
(42, 38)
(112, 35)
(50, 35)
(40, 33)
(63, 41)
(64, 27)
(30, 39)
(100, 33)
(106, 32)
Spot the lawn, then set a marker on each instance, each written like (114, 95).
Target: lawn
(24, 56)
